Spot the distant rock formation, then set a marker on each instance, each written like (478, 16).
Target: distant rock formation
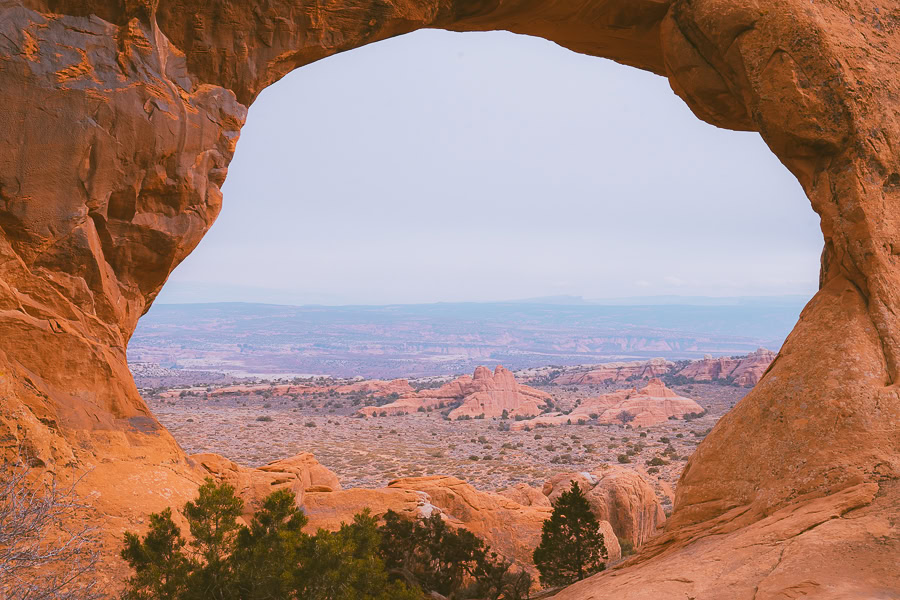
(616, 372)
(744, 371)
(651, 405)
(618, 495)
(374, 387)
(484, 394)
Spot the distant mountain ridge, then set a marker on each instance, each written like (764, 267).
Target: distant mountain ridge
(399, 341)
(787, 300)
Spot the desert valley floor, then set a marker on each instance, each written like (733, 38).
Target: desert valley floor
(251, 424)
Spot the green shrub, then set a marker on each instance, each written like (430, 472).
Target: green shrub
(272, 558)
(571, 545)
(453, 563)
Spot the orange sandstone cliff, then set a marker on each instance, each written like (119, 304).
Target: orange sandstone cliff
(120, 118)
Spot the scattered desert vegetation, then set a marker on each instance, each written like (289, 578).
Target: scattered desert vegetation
(256, 427)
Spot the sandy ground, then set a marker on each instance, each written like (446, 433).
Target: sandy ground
(256, 429)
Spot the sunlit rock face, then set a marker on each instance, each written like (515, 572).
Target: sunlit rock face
(617, 495)
(120, 118)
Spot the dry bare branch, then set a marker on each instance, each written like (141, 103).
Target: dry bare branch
(48, 550)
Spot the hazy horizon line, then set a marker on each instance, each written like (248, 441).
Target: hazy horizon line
(562, 300)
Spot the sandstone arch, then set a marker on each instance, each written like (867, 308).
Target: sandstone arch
(119, 119)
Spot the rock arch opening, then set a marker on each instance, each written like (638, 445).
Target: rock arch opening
(540, 172)
(534, 190)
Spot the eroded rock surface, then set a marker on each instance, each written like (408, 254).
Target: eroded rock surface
(509, 527)
(120, 118)
(299, 474)
(618, 495)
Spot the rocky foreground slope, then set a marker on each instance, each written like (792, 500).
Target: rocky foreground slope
(510, 522)
(120, 119)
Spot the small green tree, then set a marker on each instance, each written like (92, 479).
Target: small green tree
(271, 559)
(212, 520)
(429, 553)
(451, 562)
(266, 553)
(571, 545)
(345, 565)
(161, 568)
(497, 580)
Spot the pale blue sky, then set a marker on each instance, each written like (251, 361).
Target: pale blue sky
(474, 167)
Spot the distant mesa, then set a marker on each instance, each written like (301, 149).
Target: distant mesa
(483, 394)
(616, 372)
(373, 387)
(744, 371)
(651, 405)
